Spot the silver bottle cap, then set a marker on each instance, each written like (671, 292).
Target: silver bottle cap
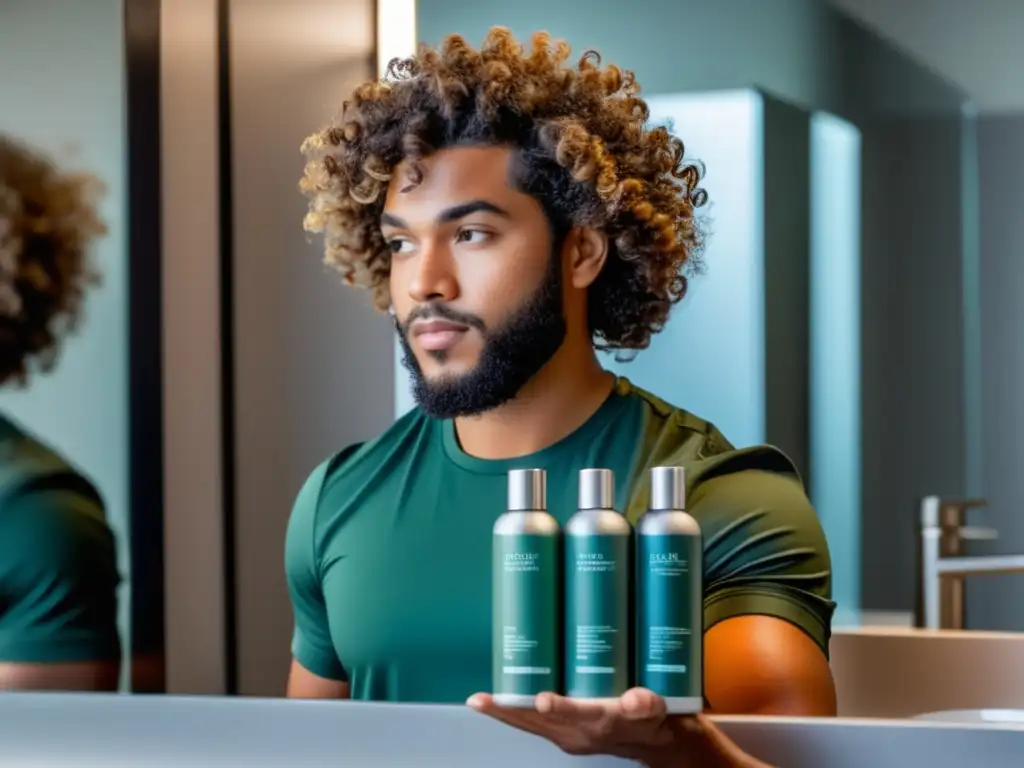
(527, 490)
(668, 488)
(597, 489)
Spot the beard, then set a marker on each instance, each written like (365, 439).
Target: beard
(512, 354)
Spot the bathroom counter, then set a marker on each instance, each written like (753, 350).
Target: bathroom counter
(211, 732)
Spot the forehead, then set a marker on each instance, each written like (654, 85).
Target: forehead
(452, 176)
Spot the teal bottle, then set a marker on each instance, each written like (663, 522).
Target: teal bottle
(598, 559)
(526, 583)
(669, 607)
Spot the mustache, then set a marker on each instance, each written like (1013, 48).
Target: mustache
(442, 312)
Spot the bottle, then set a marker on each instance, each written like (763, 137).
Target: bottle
(598, 555)
(526, 583)
(669, 579)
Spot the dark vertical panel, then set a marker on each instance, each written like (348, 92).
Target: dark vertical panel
(227, 346)
(145, 374)
(993, 602)
(787, 251)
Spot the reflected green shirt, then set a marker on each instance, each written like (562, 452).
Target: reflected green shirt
(58, 566)
(389, 542)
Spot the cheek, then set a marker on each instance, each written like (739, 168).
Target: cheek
(398, 287)
(498, 284)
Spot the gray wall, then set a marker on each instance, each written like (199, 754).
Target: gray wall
(313, 362)
(62, 89)
(787, 47)
(912, 343)
(974, 45)
(994, 602)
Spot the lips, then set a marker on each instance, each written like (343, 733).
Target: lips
(437, 335)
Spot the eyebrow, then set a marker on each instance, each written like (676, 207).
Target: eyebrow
(451, 214)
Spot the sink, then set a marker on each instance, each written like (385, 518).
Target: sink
(1010, 717)
(891, 672)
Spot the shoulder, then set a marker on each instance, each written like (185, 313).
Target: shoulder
(343, 477)
(761, 533)
(28, 466)
(352, 463)
(672, 436)
(46, 499)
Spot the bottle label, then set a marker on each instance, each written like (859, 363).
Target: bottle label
(526, 615)
(597, 615)
(670, 615)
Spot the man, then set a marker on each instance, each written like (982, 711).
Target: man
(58, 568)
(513, 214)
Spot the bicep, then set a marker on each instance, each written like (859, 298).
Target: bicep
(303, 684)
(761, 665)
(765, 553)
(767, 596)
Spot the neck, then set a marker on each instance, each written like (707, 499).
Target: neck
(555, 403)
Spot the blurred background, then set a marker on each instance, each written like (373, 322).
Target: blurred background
(861, 299)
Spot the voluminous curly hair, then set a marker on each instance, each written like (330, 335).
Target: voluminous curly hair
(585, 152)
(47, 223)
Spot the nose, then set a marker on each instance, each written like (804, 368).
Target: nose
(434, 276)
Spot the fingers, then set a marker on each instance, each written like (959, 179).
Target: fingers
(481, 702)
(641, 704)
(573, 709)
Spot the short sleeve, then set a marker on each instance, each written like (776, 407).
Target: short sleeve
(765, 552)
(311, 636)
(58, 579)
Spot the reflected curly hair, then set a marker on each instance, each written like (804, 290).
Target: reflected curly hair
(584, 151)
(47, 223)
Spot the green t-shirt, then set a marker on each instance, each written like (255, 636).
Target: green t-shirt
(58, 565)
(388, 551)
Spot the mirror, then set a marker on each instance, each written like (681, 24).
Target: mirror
(79, 430)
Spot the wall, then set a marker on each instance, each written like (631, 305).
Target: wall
(912, 339)
(62, 88)
(787, 47)
(193, 482)
(994, 602)
(310, 354)
(974, 45)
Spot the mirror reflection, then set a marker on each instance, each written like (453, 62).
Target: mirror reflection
(59, 569)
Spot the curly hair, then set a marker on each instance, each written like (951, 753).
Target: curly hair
(585, 152)
(47, 222)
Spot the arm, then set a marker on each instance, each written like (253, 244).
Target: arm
(316, 671)
(768, 601)
(58, 594)
(761, 665)
(303, 684)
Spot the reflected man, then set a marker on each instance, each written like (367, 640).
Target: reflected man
(58, 569)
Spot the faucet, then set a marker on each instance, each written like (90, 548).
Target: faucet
(944, 529)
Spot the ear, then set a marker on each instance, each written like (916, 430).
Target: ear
(587, 250)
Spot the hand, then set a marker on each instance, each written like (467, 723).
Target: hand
(635, 726)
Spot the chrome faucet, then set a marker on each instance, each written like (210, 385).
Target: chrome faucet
(944, 529)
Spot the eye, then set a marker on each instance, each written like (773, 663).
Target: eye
(472, 236)
(399, 245)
